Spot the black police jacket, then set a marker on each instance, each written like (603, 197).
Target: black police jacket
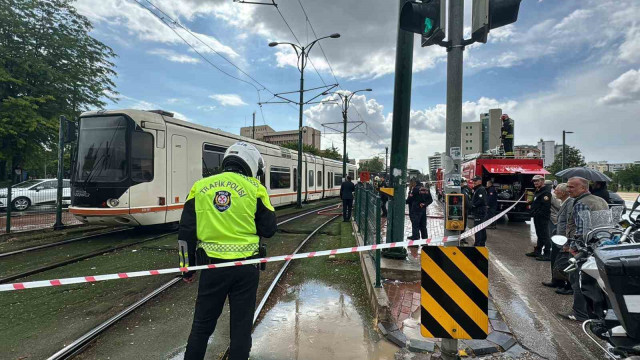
(419, 199)
(346, 190)
(541, 205)
(479, 202)
(492, 197)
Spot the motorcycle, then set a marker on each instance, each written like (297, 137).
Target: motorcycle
(608, 261)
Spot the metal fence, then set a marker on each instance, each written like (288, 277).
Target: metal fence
(32, 205)
(367, 217)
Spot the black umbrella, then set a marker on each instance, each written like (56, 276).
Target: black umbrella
(583, 172)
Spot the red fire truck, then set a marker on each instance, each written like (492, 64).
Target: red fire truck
(512, 177)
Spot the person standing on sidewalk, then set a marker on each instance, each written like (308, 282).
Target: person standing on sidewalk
(541, 212)
(492, 202)
(479, 210)
(346, 194)
(418, 200)
(559, 280)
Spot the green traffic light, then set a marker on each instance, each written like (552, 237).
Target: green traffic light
(428, 26)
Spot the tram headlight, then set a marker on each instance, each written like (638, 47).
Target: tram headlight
(113, 202)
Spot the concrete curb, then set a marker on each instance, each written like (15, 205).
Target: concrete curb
(377, 296)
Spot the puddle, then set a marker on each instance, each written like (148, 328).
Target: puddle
(316, 321)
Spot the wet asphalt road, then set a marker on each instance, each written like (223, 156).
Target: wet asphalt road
(530, 308)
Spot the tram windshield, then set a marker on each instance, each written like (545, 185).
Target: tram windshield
(102, 149)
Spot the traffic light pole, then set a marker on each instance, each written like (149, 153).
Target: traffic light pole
(299, 170)
(453, 124)
(59, 225)
(400, 137)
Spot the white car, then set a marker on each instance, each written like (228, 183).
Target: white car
(35, 192)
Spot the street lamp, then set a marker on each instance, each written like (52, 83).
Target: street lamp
(345, 98)
(564, 148)
(303, 53)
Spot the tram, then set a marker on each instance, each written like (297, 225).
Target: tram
(136, 167)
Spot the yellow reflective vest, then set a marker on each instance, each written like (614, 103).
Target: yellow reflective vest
(225, 207)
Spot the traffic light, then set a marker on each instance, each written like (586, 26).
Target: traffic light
(426, 18)
(491, 14)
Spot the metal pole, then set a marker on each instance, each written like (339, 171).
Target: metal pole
(564, 149)
(58, 225)
(344, 137)
(453, 124)
(9, 200)
(253, 127)
(386, 163)
(299, 194)
(400, 136)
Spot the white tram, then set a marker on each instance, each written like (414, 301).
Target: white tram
(135, 167)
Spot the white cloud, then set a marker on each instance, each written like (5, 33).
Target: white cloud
(228, 99)
(624, 89)
(207, 108)
(174, 56)
(123, 15)
(630, 48)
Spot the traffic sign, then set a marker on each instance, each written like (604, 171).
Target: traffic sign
(455, 292)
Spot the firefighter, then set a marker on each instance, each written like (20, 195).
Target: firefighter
(223, 219)
(479, 209)
(507, 134)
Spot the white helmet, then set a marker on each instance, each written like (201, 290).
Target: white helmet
(244, 158)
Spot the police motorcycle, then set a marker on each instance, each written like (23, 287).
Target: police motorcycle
(609, 264)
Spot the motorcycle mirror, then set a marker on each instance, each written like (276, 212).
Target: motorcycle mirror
(559, 240)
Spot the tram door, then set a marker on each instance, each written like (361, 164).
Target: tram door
(179, 172)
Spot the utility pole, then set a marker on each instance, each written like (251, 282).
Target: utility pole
(453, 125)
(400, 137)
(386, 163)
(253, 127)
(58, 225)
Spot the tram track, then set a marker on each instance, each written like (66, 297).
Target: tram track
(80, 258)
(78, 346)
(63, 242)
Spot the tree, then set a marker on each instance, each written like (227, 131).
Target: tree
(374, 165)
(49, 66)
(629, 178)
(330, 153)
(574, 159)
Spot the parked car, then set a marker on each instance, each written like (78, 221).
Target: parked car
(35, 192)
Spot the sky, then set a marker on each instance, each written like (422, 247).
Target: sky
(564, 65)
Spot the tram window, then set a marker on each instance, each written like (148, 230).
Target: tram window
(212, 159)
(352, 174)
(337, 179)
(280, 177)
(142, 156)
(319, 178)
(295, 179)
(310, 178)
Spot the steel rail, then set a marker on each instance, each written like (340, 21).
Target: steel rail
(63, 242)
(81, 343)
(79, 258)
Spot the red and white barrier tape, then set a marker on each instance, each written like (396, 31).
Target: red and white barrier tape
(89, 279)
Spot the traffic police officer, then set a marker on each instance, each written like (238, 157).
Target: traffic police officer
(223, 219)
(479, 207)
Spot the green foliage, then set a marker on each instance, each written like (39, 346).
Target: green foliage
(375, 165)
(330, 153)
(629, 178)
(574, 159)
(49, 66)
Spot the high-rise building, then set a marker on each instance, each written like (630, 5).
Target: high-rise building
(481, 136)
(435, 162)
(547, 151)
(310, 136)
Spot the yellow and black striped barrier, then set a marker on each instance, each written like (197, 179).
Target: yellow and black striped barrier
(455, 292)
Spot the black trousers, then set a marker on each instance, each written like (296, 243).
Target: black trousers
(240, 284)
(419, 225)
(491, 212)
(579, 301)
(480, 236)
(383, 207)
(541, 225)
(347, 208)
